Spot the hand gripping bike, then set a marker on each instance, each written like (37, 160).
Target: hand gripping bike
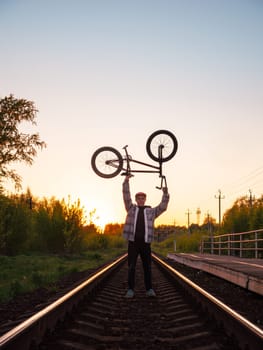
(161, 146)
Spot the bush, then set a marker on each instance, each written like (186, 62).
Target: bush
(16, 288)
(15, 226)
(188, 243)
(185, 243)
(100, 241)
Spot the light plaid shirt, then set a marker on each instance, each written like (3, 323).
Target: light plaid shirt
(150, 214)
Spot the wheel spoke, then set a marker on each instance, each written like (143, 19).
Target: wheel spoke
(107, 162)
(164, 141)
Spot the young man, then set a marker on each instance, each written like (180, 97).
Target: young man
(139, 231)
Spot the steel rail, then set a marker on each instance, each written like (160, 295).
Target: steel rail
(31, 330)
(248, 335)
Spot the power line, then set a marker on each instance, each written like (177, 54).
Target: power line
(244, 182)
(252, 180)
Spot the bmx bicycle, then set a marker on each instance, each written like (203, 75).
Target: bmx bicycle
(161, 146)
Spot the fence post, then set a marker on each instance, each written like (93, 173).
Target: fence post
(256, 245)
(240, 246)
(202, 246)
(212, 244)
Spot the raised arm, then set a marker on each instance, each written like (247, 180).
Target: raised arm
(164, 203)
(126, 193)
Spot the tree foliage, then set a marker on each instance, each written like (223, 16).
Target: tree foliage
(14, 226)
(46, 225)
(16, 146)
(113, 228)
(243, 216)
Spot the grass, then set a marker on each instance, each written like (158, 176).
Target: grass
(183, 243)
(164, 247)
(24, 273)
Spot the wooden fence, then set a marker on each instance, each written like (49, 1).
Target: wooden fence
(243, 244)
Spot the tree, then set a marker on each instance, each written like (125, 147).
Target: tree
(209, 224)
(74, 222)
(256, 217)
(236, 219)
(16, 146)
(113, 228)
(14, 225)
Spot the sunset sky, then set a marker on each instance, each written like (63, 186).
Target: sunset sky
(111, 72)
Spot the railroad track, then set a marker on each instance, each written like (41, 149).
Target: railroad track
(96, 316)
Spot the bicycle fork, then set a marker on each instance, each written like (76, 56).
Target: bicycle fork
(163, 178)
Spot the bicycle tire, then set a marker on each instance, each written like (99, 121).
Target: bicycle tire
(163, 138)
(107, 162)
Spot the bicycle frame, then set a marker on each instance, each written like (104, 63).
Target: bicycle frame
(158, 169)
(161, 146)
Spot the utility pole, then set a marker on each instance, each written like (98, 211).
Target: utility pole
(219, 197)
(30, 204)
(188, 219)
(210, 232)
(250, 198)
(208, 223)
(198, 213)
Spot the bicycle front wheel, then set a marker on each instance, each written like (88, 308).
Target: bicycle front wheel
(161, 146)
(107, 162)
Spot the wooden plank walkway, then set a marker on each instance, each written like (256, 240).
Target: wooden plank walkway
(247, 273)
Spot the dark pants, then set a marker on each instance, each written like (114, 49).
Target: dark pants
(144, 250)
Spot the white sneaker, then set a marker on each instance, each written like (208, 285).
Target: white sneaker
(151, 293)
(129, 294)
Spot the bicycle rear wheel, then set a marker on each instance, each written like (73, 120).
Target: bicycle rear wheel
(165, 140)
(107, 162)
